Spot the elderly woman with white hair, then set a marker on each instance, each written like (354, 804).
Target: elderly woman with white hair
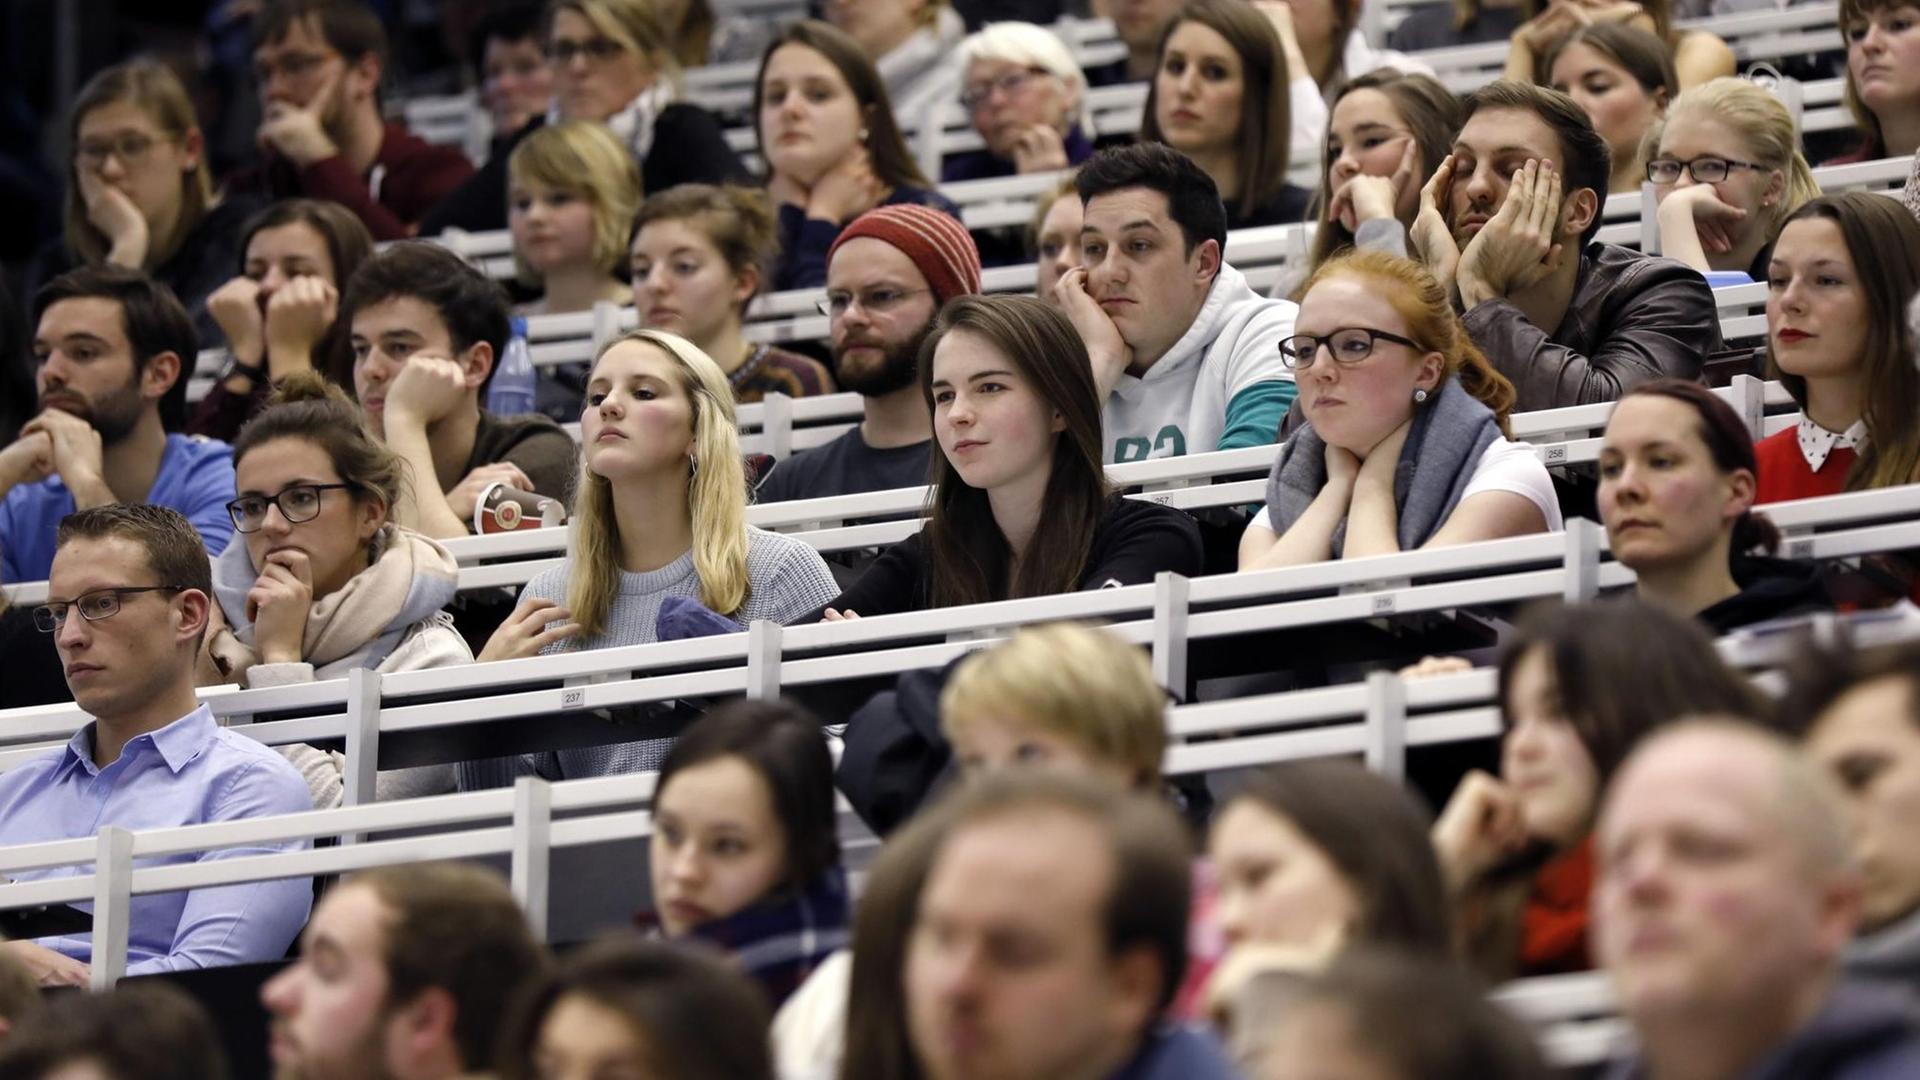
(1026, 96)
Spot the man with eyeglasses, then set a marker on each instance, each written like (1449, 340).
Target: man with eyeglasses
(127, 606)
(1508, 220)
(887, 275)
(113, 349)
(318, 64)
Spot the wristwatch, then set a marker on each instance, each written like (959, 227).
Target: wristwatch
(256, 372)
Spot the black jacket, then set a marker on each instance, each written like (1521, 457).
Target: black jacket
(688, 148)
(1633, 318)
(1769, 589)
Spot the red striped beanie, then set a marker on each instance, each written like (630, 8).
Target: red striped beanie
(938, 245)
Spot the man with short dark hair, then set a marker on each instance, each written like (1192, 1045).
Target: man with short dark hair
(427, 330)
(1857, 715)
(510, 66)
(114, 349)
(1724, 897)
(1509, 219)
(319, 64)
(1185, 355)
(405, 971)
(1051, 936)
(887, 276)
(128, 602)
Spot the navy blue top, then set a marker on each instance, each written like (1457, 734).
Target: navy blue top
(804, 241)
(983, 165)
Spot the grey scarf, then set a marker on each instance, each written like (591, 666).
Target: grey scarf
(1450, 432)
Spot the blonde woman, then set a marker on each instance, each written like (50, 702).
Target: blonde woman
(139, 194)
(612, 64)
(572, 191)
(1062, 696)
(1727, 171)
(659, 523)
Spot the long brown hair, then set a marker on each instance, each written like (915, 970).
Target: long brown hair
(892, 162)
(348, 245)
(968, 553)
(1265, 136)
(1884, 241)
(1423, 303)
(1374, 832)
(157, 91)
(1853, 12)
(1430, 112)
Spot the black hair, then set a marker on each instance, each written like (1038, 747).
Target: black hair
(513, 21)
(352, 28)
(471, 305)
(1193, 199)
(786, 747)
(151, 315)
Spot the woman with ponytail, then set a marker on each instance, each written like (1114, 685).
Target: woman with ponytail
(319, 580)
(659, 533)
(1405, 442)
(1677, 482)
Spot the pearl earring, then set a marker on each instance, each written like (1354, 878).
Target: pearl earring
(1419, 397)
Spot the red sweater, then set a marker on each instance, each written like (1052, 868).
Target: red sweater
(1784, 475)
(414, 176)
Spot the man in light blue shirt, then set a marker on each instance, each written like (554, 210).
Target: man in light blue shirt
(113, 349)
(128, 604)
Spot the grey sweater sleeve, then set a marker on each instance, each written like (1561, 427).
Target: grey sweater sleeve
(1382, 234)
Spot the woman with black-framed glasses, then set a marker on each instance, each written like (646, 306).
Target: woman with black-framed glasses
(1405, 444)
(319, 580)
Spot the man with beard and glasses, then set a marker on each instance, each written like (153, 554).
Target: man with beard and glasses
(404, 972)
(113, 350)
(887, 276)
(318, 64)
(1508, 220)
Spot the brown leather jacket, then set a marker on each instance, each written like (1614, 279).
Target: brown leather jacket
(1633, 318)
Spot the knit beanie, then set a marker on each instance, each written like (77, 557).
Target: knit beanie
(938, 245)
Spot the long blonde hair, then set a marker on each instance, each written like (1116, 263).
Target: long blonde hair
(1759, 120)
(716, 498)
(158, 92)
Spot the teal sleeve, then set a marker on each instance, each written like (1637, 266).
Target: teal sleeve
(1253, 416)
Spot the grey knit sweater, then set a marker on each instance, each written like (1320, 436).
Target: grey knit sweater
(787, 579)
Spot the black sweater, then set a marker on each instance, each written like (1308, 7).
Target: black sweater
(1134, 541)
(688, 148)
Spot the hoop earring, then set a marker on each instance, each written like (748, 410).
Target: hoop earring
(1419, 397)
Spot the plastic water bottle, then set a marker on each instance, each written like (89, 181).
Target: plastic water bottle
(511, 392)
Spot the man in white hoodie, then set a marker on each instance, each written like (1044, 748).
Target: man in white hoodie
(1186, 356)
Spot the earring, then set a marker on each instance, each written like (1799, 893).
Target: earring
(1419, 397)
(863, 135)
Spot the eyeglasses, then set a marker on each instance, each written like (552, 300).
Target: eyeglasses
(295, 66)
(130, 148)
(93, 606)
(1009, 84)
(1348, 345)
(298, 503)
(599, 50)
(1705, 170)
(872, 301)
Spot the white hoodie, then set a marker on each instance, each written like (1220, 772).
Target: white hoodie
(1180, 405)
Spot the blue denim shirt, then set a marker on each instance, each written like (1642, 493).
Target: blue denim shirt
(189, 772)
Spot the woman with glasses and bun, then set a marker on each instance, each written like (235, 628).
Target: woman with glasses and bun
(1405, 444)
(319, 580)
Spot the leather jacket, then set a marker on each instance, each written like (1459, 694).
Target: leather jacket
(1633, 318)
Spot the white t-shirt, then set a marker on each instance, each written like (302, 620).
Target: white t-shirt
(1504, 465)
